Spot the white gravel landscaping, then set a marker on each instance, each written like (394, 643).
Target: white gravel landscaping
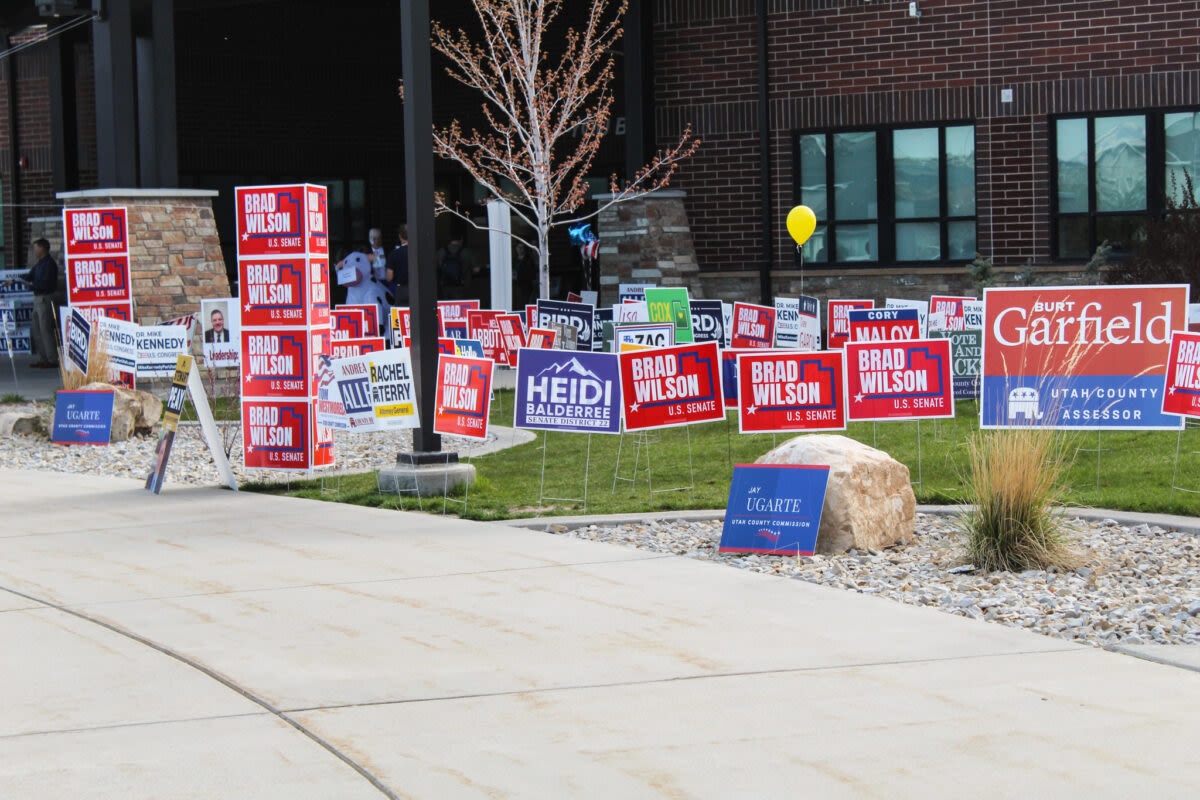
(1139, 585)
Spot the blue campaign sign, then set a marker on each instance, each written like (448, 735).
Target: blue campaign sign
(567, 390)
(82, 418)
(580, 316)
(708, 323)
(468, 347)
(774, 509)
(79, 340)
(601, 316)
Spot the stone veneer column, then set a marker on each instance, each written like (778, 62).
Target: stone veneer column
(174, 250)
(648, 240)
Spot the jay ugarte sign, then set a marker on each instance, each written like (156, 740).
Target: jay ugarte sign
(774, 509)
(900, 380)
(1079, 357)
(561, 390)
(671, 386)
(464, 389)
(783, 392)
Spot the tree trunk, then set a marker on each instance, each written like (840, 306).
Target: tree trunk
(544, 262)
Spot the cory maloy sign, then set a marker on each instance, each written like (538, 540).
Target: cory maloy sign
(562, 390)
(671, 386)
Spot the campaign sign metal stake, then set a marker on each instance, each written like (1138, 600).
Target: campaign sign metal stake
(899, 380)
(1079, 357)
(464, 389)
(784, 392)
(558, 390)
(884, 325)
(671, 386)
(1182, 394)
(82, 417)
(774, 509)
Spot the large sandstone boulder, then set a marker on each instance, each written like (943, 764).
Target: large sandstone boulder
(869, 502)
(133, 411)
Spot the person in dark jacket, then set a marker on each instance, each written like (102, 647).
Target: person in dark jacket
(43, 279)
(396, 270)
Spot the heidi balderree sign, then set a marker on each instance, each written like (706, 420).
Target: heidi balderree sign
(1079, 357)
(561, 390)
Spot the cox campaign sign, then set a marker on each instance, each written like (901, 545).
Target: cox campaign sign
(671, 386)
(560, 390)
(781, 392)
(1182, 395)
(464, 389)
(1080, 357)
(839, 320)
(884, 324)
(774, 508)
(904, 380)
(753, 326)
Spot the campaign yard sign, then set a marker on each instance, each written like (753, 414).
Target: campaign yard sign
(575, 315)
(707, 323)
(95, 231)
(1079, 357)
(884, 324)
(949, 313)
(456, 309)
(79, 341)
(774, 509)
(349, 323)
(787, 322)
(672, 386)
(277, 433)
(541, 339)
(753, 326)
(808, 334)
(370, 316)
(671, 305)
(119, 340)
(401, 318)
(274, 293)
(558, 390)
(1182, 394)
(512, 334)
(377, 391)
(839, 320)
(922, 307)
(468, 347)
(98, 279)
(464, 389)
(643, 336)
(347, 348)
(636, 311)
(966, 360)
(784, 392)
(729, 373)
(633, 291)
(482, 325)
(899, 380)
(278, 220)
(82, 417)
(602, 318)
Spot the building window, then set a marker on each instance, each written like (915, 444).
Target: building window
(1114, 172)
(889, 195)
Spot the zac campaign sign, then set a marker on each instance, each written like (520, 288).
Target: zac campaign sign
(464, 389)
(1183, 376)
(563, 390)
(1079, 357)
(781, 392)
(899, 380)
(671, 386)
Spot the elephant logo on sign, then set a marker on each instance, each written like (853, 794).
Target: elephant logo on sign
(1023, 401)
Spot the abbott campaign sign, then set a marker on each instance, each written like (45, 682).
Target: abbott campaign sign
(1081, 357)
(671, 386)
(782, 392)
(901, 380)
(561, 390)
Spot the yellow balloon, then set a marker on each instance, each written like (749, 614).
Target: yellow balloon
(801, 222)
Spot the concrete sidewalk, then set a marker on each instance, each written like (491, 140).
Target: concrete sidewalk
(211, 644)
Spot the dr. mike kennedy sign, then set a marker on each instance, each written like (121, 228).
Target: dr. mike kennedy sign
(1082, 358)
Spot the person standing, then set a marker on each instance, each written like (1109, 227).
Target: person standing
(456, 267)
(396, 270)
(375, 239)
(43, 279)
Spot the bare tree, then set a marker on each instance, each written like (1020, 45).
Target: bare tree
(544, 122)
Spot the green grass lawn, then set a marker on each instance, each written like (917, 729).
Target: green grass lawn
(1135, 469)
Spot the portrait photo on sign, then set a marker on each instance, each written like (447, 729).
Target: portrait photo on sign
(219, 321)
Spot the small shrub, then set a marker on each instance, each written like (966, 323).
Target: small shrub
(12, 398)
(982, 273)
(1098, 261)
(1015, 483)
(1170, 250)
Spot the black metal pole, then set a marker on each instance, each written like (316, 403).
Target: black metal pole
(418, 178)
(764, 147)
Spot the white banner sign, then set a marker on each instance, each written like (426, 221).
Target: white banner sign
(220, 322)
(158, 349)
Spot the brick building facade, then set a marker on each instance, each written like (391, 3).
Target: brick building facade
(1056, 96)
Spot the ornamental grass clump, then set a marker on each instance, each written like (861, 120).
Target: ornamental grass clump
(1015, 484)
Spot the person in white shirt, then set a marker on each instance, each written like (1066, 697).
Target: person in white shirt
(375, 237)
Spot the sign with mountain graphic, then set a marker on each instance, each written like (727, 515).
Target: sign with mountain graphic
(565, 390)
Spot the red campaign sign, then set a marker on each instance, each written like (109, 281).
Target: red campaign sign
(952, 309)
(316, 209)
(530, 316)
(318, 279)
(94, 231)
(92, 312)
(401, 320)
(276, 363)
(323, 440)
(753, 326)
(463, 396)
(783, 392)
(446, 346)
(884, 325)
(270, 221)
(273, 292)
(348, 323)
(838, 314)
(512, 334)
(729, 373)
(456, 309)
(277, 434)
(348, 348)
(370, 316)
(483, 325)
(102, 279)
(541, 338)
(320, 344)
(671, 386)
(1182, 394)
(899, 380)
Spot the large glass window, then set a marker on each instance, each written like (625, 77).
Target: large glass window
(903, 194)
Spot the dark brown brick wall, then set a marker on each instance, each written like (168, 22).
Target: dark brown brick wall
(845, 63)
